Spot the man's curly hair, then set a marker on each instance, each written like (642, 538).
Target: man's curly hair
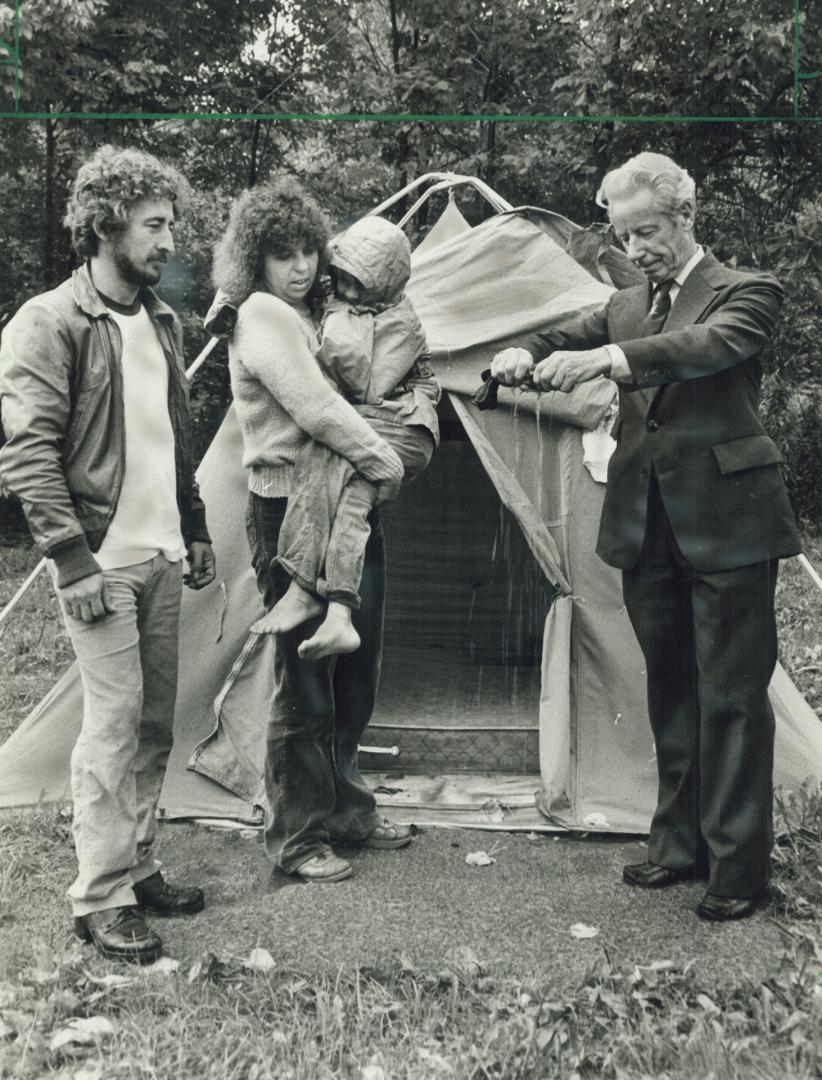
(108, 186)
(273, 218)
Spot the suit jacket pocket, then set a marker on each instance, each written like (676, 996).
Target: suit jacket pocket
(748, 453)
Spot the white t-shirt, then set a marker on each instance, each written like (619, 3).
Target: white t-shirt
(147, 519)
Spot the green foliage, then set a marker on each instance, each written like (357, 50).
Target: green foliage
(758, 183)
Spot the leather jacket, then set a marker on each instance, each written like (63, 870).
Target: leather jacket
(61, 395)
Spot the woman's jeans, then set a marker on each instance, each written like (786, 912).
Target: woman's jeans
(319, 709)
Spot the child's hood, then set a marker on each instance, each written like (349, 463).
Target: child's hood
(377, 254)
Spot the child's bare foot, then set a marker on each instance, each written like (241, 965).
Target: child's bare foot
(335, 634)
(294, 608)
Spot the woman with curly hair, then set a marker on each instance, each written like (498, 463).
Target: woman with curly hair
(266, 267)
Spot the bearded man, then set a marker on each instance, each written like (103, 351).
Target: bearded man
(696, 517)
(95, 410)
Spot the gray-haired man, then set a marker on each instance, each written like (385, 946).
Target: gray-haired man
(696, 516)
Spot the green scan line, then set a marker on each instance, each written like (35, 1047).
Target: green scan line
(460, 118)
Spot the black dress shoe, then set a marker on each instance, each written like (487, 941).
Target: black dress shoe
(154, 894)
(648, 875)
(723, 908)
(120, 934)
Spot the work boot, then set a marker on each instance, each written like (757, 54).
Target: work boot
(154, 894)
(120, 933)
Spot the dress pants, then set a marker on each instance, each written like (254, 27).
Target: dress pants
(319, 708)
(709, 641)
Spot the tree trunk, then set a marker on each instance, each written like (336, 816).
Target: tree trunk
(255, 143)
(402, 137)
(50, 207)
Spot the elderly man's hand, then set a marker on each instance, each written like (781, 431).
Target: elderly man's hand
(512, 366)
(565, 370)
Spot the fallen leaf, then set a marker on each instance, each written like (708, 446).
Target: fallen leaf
(464, 960)
(479, 858)
(83, 1031)
(88, 1074)
(795, 1018)
(110, 982)
(658, 965)
(408, 967)
(249, 834)
(372, 1072)
(260, 960)
(164, 966)
(708, 1004)
(434, 1061)
(46, 967)
(493, 812)
(580, 930)
(205, 967)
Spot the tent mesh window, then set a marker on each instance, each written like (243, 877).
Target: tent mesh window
(465, 609)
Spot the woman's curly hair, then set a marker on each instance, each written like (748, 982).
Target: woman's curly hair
(109, 184)
(273, 218)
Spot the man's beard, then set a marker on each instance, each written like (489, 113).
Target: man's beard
(133, 274)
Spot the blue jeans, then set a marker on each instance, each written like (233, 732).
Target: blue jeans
(128, 665)
(319, 709)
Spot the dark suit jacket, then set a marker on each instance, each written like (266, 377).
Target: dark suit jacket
(691, 415)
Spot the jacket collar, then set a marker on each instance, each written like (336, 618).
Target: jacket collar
(697, 292)
(88, 299)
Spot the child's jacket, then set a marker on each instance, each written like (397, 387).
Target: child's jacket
(376, 350)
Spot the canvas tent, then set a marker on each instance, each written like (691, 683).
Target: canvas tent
(512, 685)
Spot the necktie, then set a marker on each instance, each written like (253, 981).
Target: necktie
(655, 319)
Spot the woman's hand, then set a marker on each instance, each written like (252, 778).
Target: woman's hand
(386, 467)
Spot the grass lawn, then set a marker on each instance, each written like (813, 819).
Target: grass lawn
(228, 1012)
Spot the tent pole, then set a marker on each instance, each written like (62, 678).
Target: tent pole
(21, 592)
(408, 188)
(201, 359)
(810, 570)
(499, 204)
(30, 580)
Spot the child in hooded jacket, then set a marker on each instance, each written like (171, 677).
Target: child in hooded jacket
(373, 350)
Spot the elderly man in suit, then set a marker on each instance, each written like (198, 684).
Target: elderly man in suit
(696, 517)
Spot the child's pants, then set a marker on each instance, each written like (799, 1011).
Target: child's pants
(323, 537)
